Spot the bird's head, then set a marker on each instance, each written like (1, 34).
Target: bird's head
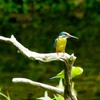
(66, 35)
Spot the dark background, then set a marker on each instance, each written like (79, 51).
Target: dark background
(36, 24)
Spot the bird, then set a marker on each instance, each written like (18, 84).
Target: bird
(61, 41)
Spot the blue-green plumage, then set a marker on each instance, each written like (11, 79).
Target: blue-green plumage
(61, 41)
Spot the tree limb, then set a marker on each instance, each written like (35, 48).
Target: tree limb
(34, 55)
(45, 86)
(68, 59)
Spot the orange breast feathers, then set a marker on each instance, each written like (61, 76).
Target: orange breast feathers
(61, 44)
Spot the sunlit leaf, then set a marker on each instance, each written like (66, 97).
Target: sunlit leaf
(61, 86)
(75, 71)
(58, 97)
(46, 97)
(0, 88)
(8, 97)
(59, 75)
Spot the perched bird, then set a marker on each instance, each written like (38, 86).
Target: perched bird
(61, 41)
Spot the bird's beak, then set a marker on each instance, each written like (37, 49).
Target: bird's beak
(71, 36)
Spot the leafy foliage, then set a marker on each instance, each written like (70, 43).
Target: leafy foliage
(3, 95)
(75, 71)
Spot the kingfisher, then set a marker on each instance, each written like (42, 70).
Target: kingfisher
(61, 41)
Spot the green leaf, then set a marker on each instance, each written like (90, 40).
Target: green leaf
(75, 71)
(61, 86)
(46, 97)
(58, 97)
(59, 75)
(8, 97)
(0, 88)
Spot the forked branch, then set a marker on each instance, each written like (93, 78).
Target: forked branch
(47, 57)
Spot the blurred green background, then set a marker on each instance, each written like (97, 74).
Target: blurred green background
(36, 24)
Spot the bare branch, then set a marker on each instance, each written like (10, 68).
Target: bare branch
(48, 87)
(47, 57)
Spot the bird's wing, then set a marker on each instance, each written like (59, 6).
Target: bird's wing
(55, 42)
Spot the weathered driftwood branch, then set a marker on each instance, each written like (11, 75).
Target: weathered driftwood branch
(68, 59)
(45, 86)
(34, 55)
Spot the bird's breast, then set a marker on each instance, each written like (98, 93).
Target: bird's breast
(61, 44)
